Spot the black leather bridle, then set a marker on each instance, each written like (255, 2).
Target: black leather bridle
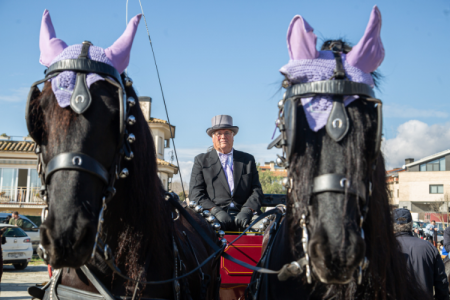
(337, 127)
(80, 102)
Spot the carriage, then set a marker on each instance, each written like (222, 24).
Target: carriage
(235, 278)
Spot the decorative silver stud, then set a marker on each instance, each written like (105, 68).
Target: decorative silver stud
(211, 219)
(224, 241)
(124, 173)
(286, 84)
(281, 104)
(128, 81)
(131, 120)
(130, 157)
(192, 204)
(216, 226)
(261, 227)
(221, 233)
(131, 138)
(280, 162)
(206, 213)
(286, 183)
(198, 208)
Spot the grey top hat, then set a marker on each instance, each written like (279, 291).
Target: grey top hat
(222, 122)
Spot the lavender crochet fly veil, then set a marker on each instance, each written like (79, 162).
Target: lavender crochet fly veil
(54, 50)
(306, 64)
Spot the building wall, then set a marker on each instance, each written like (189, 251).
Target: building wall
(158, 137)
(394, 189)
(415, 186)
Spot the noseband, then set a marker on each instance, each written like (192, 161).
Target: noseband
(80, 102)
(337, 127)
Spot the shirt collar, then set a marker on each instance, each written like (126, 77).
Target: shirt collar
(228, 154)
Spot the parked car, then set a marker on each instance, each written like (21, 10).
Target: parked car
(29, 227)
(18, 249)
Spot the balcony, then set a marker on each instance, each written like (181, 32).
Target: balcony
(21, 196)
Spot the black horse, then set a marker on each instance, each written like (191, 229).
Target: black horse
(149, 240)
(336, 240)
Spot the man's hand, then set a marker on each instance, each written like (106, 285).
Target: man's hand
(244, 217)
(222, 217)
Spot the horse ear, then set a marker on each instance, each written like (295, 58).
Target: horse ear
(34, 116)
(301, 40)
(49, 45)
(368, 54)
(119, 52)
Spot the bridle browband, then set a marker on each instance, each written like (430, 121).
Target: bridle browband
(80, 102)
(337, 127)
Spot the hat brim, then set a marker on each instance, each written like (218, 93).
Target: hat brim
(211, 130)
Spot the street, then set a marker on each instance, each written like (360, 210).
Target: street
(15, 283)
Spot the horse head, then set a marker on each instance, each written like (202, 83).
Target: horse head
(78, 124)
(331, 140)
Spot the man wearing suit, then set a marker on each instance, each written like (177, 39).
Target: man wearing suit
(224, 180)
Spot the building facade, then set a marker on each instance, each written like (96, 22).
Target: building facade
(162, 132)
(425, 184)
(19, 181)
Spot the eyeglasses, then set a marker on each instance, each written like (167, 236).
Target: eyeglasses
(225, 134)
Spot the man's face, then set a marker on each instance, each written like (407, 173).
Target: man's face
(433, 222)
(15, 216)
(223, 140)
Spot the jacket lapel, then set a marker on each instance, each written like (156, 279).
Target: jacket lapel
(217, 170)
(237, 168)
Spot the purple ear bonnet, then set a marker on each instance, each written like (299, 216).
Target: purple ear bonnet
(64, 83)
(54, 50)
(306, 64)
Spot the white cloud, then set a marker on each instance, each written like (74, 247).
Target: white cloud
(408, 112)
(186, 157)
(415, 139)
(17, 95)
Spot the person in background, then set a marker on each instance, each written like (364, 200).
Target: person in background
(6, 220)
(423, 260)
(225, 180)
(416, 233)
(431, 233)
(447, 240)
(16, 220)
(2, 241)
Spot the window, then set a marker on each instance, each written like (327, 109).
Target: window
(160, 145)
(166, 143)
(14, 232)
(436, 189)
(27, 225)
(398, 193)
(435, 165)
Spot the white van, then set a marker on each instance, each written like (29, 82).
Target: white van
(29, 227)
(17, 250)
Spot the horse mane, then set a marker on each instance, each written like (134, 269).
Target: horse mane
(138, 220)
(387, 276)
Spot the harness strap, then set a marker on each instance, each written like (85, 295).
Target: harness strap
(213, 245)
(76, 161)
(338, 183)
(98, 285)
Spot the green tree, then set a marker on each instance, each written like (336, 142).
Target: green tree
(181, 196)
(271, 183)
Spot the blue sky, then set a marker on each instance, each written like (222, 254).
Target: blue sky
(222, 57)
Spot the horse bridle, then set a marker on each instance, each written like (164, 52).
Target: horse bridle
(337, 127)
(80, 101)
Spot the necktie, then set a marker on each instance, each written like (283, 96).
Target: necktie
(227, 164)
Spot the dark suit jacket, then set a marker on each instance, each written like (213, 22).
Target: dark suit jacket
(209, 186)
